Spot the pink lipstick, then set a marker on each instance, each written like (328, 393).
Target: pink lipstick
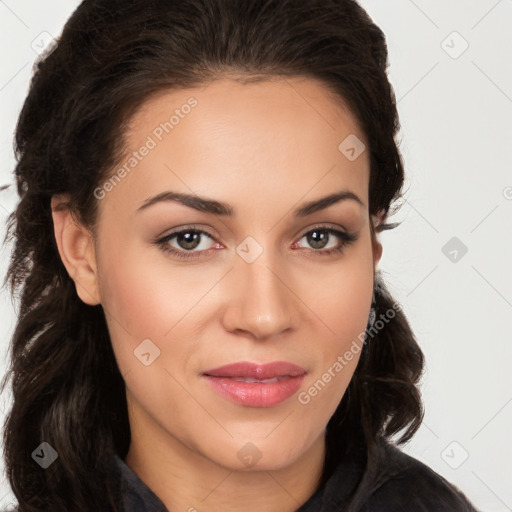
(256, 385)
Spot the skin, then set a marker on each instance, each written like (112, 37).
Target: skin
(264, 148)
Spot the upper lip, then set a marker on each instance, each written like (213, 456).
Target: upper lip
(257, 371)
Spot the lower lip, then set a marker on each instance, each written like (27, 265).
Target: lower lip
(256, 394)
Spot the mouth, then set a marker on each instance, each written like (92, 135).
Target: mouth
(251, 380)
(257, 372)
(256, 385)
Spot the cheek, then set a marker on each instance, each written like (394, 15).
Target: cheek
(137, 304)
(145, 294)
(145, 297)
(340, 295)
(342, 303)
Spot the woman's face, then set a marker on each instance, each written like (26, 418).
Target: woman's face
(262, 284)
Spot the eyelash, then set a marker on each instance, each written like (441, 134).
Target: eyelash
(346, 239)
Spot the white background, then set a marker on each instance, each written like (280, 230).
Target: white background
(455, 109)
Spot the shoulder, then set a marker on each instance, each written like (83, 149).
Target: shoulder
(402, 482)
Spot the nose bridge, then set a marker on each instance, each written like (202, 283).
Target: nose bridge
(261, 302)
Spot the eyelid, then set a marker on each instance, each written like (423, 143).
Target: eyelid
(201, 229)
(346, 237)
(184, 228)
(323, 225)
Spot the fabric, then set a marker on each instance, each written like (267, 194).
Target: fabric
(398, 483)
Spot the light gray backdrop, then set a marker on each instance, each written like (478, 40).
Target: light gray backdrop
(448, 263)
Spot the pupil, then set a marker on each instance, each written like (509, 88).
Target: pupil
(189, 240)
(317, 244)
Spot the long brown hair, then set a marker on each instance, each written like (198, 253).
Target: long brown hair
(111, 55)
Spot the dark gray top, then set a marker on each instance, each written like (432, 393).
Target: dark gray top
(399, 483)
(396, 482)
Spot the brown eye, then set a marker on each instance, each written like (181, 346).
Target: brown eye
(188, 239)
(326, 240)
(318, 238)
(182, 243)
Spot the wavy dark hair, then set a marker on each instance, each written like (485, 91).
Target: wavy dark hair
(111, 56)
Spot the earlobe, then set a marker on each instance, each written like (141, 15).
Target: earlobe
(76, 249)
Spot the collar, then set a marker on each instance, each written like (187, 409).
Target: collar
(136, 496)
(334, 495)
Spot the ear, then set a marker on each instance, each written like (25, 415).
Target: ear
(377, 252)
(76, 248)
(376, 244)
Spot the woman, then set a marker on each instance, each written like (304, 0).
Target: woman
(202, 323)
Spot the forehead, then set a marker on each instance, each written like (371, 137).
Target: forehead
(281, 136)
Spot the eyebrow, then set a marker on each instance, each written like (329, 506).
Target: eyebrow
(217, 208)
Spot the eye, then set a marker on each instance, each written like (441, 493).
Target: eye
(191, 242)
(185, 242)
(322, 239)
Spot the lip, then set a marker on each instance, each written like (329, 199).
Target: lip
(257, 371)
(288, 377)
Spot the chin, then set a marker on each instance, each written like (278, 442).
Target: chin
(260, 456)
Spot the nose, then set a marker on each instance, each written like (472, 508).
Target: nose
(260, 300)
